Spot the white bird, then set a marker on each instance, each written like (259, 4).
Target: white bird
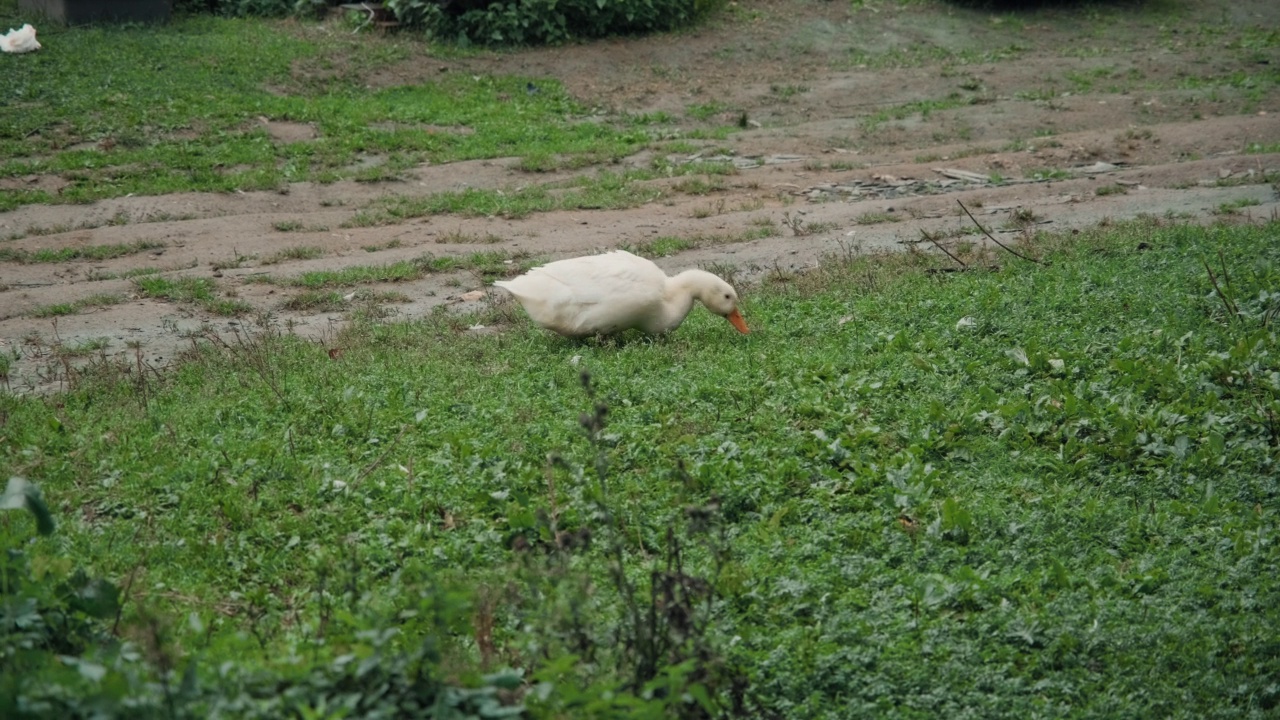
(616, 291)
(19, 41)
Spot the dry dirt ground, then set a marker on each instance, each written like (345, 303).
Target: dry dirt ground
(853, 130)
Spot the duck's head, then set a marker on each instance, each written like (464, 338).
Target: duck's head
(720, 298)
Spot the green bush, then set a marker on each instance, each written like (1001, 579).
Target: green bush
(240, 8)
(498, 22)
(533, 22)
(396, 646)
(63, 652)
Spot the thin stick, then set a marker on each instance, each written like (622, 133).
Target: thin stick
(1226, 301)
(992, 237)
(938, 245)
(378, 461)
(1226, 277)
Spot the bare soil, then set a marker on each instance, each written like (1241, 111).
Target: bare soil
(1120, 118)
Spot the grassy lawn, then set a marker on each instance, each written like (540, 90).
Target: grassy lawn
(182, 107)
(1048, 490)
(1043, 491)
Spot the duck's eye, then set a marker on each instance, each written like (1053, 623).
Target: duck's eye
(726, 296)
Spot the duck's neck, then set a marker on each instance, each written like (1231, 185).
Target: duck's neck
(680, 293)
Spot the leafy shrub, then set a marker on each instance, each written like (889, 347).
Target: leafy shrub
(643, 642)
(497, 22)
(532, 22)
(242, 8)
(59, 658)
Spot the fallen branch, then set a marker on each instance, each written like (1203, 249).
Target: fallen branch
(967, 268)
(1232, 310)
(938, 245)
(963, 175)
(378, 460)
(994, 240)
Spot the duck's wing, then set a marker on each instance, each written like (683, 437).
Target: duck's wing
(594, 294)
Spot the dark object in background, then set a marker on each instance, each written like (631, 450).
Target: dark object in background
(81, 12)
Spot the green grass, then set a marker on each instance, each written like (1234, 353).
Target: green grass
(660, 246)
(875, 218)
(72, 308)
(177, 108)
(400, 271)
(98, 275)
(673, 244)
(787, 91)
(705, 111)
(698, 185)
(335, 301)
(1235, 206)
(918, 54)
(923, 108)
(297, 252)
(457, 236)
(199, 291)
(1253, 86)
(388, 245)
(84, 348)
(1047, 490)
(1050, 174)
(88, 252)
(316, 301)
(490, 264)
(603, 191)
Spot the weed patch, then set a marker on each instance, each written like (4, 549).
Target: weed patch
(201, 292)
(1235, 206)
(72, 308)
(223, 70)
(674, 244)
(876, 218)
(298, 252)
(488, 264)
(89, 252)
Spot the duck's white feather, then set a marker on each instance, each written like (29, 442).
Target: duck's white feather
(612, 292)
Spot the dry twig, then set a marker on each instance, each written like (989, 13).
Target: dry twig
(997, 242)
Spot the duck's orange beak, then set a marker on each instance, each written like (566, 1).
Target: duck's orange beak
(735, 317)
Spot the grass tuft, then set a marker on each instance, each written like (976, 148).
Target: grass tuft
(198, 291)
(88, 252)
(78, 306)
(299, 252)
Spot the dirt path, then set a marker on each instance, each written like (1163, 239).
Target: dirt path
(864, 126)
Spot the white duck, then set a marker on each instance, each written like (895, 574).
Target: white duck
(615, 291)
